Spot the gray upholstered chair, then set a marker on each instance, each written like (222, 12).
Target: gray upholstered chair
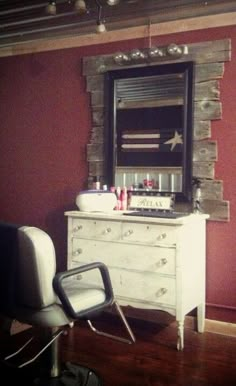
(33, 293)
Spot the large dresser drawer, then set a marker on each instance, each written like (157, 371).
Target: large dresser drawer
(147, 287)
(120, 255)
(137, 286)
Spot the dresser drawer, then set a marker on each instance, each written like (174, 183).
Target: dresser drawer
(137, 286)
(121, 255)
(103, 230)
(147, 287)
(109, 231)
(83, 228)
(148, 233)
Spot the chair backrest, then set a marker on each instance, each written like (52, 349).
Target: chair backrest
(36, 268)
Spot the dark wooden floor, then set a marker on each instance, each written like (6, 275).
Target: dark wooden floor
(207, 360)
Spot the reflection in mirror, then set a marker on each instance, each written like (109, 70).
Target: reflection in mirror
(149, 128)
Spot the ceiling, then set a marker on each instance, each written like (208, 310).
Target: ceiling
(27, 21)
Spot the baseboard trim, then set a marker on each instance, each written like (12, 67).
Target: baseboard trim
(218, 327)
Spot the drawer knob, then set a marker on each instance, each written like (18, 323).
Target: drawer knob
(108, 230)
(77, 252)
(161, 262)
(162, 236)
(161, 292)
(79, 277)
(129, 232)
(77, 228)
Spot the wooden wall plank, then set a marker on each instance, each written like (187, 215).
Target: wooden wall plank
(204, 151)
(207, 110)
(209, 89)
(98, 116)
(219, 210)
(97, 134)
(204, 170)
(95, 82)
(212, 189)
(97, 98)
(204, 72)
(201, 129)
(96, 168)
(95, 152)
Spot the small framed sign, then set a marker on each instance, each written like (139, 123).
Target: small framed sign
(151, 202)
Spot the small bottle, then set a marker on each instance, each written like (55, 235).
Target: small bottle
(118, 195)
(96, 183)
(129, 196)
(113, 190)
(123, 199)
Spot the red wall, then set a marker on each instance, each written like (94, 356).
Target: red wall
(45, 126)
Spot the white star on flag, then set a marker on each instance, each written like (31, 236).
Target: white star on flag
(174, 140)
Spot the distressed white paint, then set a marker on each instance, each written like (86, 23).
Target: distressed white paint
(154, 263)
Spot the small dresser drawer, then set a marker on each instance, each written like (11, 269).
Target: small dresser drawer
(87, 229)
(149, 234)
(109, 231)
(83, 228)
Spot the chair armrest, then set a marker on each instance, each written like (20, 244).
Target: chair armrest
(62, 295)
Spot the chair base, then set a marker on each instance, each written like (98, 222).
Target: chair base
(73, 375)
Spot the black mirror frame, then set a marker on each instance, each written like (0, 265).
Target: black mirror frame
(110, 116)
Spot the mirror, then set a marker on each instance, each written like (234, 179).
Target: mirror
(149, 121)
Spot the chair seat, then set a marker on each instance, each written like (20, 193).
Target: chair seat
(81, 296)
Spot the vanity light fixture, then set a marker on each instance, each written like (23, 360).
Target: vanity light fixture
(171, 51)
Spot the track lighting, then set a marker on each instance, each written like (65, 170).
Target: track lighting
(51, 8)
(100, 27)
(113, 2)
(80, 6)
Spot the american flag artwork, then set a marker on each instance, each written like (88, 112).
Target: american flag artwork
(151, 140)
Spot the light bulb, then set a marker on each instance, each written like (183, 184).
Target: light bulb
(174, 49)
(120, 58)
(155, 52)
(101, 27)
(137, 54)
(113, 2)
(51, 8)
(80, 6)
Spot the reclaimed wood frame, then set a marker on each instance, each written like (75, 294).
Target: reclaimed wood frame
(209, 58)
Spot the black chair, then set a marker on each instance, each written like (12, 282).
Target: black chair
(33, 293)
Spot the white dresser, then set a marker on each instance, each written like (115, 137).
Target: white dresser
(154, 263)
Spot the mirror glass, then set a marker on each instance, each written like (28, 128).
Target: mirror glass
(149, 128)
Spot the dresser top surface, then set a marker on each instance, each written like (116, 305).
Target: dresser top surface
(119, 216)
